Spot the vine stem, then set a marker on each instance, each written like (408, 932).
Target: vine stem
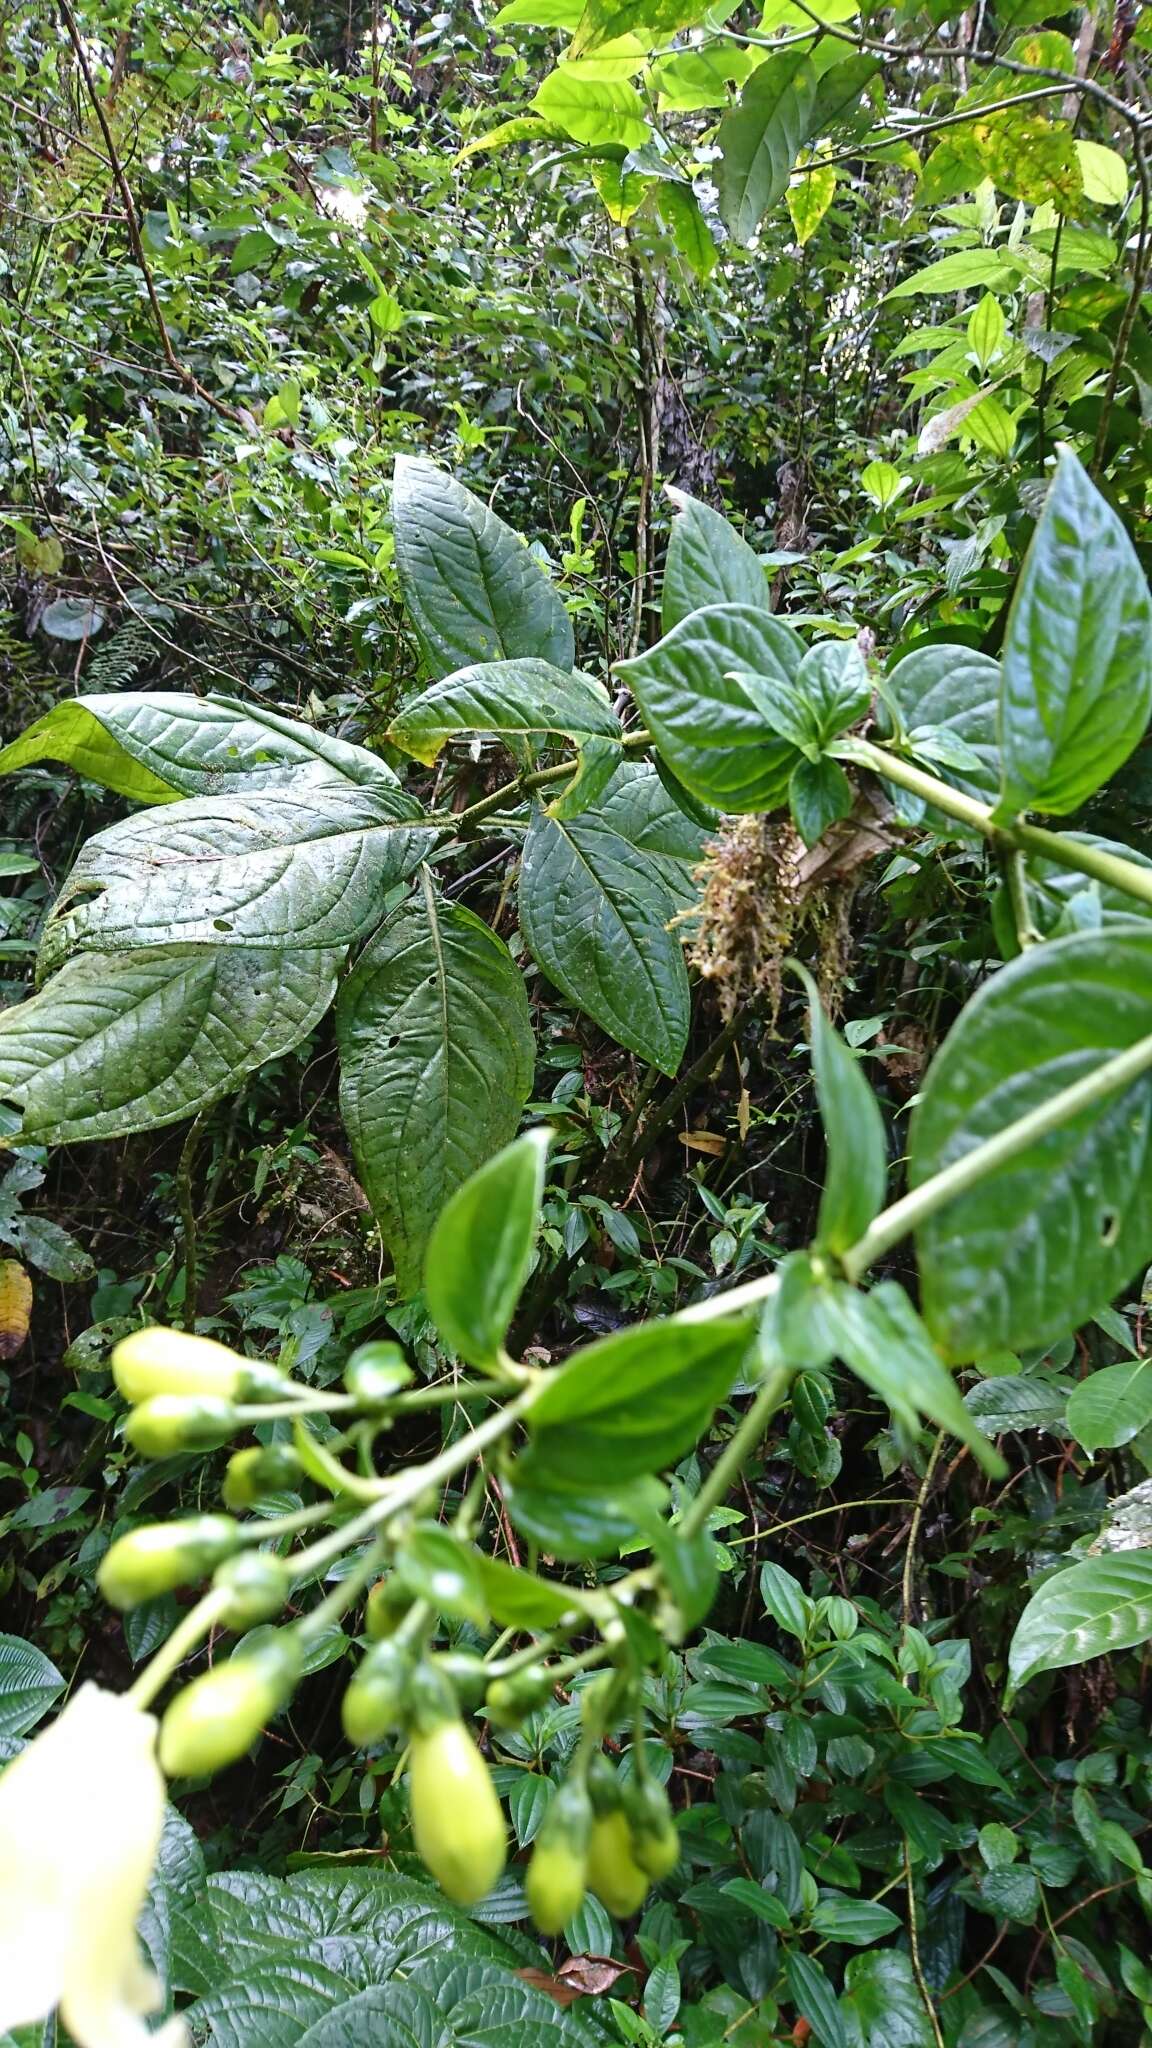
(729, 1465)
(561, 771)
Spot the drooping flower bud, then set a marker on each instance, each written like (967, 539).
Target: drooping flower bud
(253, 1474)
(160, 1361)
(376, 1701)
(387, 1604)
(217, 1718)
(457, 1819)
(162, 1556)
(510, 1700)
(377, 1371)
(466, 1674)
(180, 1422)
(558, 1872)
(655, 1842)
(613, 1874)
(257, 1585)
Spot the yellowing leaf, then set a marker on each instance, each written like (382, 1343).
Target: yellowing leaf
(592, 109)
(810, 195)
(15, 1306)
(1104, 172)
(622, 192)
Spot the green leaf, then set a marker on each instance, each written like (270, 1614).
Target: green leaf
(810, 193)
(1104, 174)
(1077, 663)
(574, 1526)
(641, 807)
(480, 1251)
(153, 747)
(858, 1921)
(1092, 1609)
(1111, 1406)
(760, 139)
(632, 1403)
(1051, 1236)
(765, 1905)
(503, 697)
(881, 2003)
(592, 109)
(596, 763)
(958, 690)
(596, 919)
(986, 330)
(884, 1341)
(1059, 897)
(474, 590)
(29, 1684)
(118, 1043)
(436, 1566)
(50, 1249)
(705, 720)
(708, 563)
(602, 20)
(785, 1600)
(819, 795)
(811, 1992)
(1013, 1401)
(959, 273)
(304, 865)
(683, 216)
(856, 1168)
(519, 1599)
(437, 1057)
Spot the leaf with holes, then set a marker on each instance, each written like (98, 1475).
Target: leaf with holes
(596, 919)
(707, 563)
(1048, 1238)
(473, 589)
(696, 689)
(1092, 1609)
(154, 746)
(136, 1040)
(506, 697)
(436, 1062)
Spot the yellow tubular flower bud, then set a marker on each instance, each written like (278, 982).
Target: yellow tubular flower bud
(217, 1718)
(558, 1872)
(613, 1874)
(162, 1556)
(180, 1422)
(159, 1361)
(457, 1820)
(655, 1842)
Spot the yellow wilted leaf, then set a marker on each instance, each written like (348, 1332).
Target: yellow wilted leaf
(15, 1306)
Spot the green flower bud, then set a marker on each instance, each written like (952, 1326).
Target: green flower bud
(179, 1422)
(603, 1784)
(159, 1361)
(613, 1874)
(510, 1700)
(457, 1820)
(377, 1371)
(431, 1700)
(558, 1871)
(655, 1842)
(466, 1674)
(376, 1701)
(257, 1585)
(385, 1608)
(217, 1718)
(253, 1474)
(162, 1556)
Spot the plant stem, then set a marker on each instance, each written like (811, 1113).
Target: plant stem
(914, 1208)
(741, 1443)
(185, 1637)
(522, 785)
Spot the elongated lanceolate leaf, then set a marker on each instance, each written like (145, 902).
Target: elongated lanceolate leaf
(481, 1249)
(1095, 1607)
(154, 746)
(518, 697)
(305, 865)
(596, 917)
(1077, 665)
(474, 590)
(1041, 1244)
(708, 563)
(127, 1042)
(437, 1056)
(856, 1174)
(760, 140)
(706, 720)
(639, 806)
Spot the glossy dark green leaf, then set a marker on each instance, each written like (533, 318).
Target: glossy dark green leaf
(759, 140)
(473, 589)
(819, 795)
(811, 1991)
(882, 2002)
(29, 1685)
(597, 761)
(1061, 900)
(1077, 663)
(438, 1567)
(1110, 1407)
(575, 1526)
(480, 1251)
(708, 563)
(884, 1341)
(596, 918)
(117, 1043)
(856, 1169)
(707, 723)
(832, 681)
(1050, 1237)
(507, 697)
(857, 1921)
(1091, 1609)
(437, 1057)
(631, 1404)
(640, 806)
(952, 690)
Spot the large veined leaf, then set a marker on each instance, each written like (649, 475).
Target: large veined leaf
(694, 691)
(602, 20)
(29, 1684)
(1095, 1607)
(596, 918)
(591, 108)
(953, 690)
(437, 1057)
(474, 591)
(639, 807)
(129, 1041)
(154, 746)
(518, 697)
(708, 562)
(1077, 665)
(760, 140)
(304, 865)
(1110, 1407)
(1047, 1239)
(1056, 893)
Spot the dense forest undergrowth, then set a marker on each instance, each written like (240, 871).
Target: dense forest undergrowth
(576, 1027)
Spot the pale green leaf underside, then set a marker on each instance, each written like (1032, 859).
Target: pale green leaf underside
(525, 696)
(1047, 1240)
(132, 1041)
(596, 916)
(1098, 1606)
(154, 746)
(473, 589)
(437, 1058)
(304, 865)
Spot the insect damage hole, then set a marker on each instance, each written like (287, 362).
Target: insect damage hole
(1109, 1226)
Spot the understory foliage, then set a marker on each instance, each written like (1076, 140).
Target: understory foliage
(576, 1013)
